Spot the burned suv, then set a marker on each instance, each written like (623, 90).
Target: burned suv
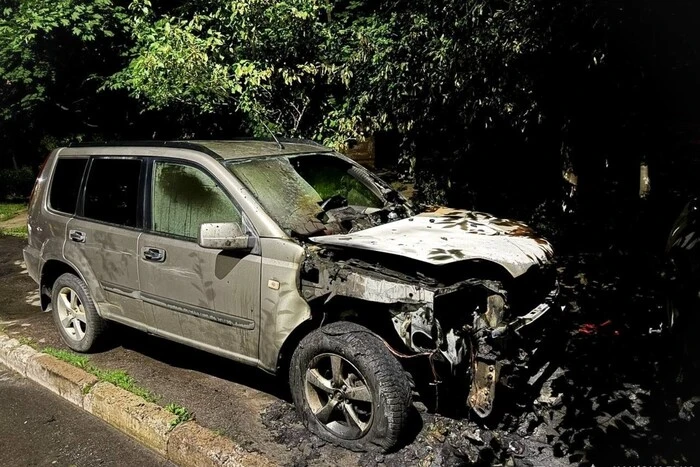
(292, 258)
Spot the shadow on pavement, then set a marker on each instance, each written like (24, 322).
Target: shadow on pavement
(188, 358)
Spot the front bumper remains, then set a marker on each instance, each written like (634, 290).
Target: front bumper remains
(489, 349)
(536, 313)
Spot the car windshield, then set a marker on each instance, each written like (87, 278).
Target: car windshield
(297, 191)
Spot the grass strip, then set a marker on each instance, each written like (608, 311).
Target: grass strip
(119, 378)
(10, 210)
(20, 232)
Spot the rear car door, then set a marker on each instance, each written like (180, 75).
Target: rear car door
(103, 237)
(207, 298)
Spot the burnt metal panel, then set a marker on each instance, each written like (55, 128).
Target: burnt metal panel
(448, 236)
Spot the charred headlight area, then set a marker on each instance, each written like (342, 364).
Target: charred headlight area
(470, 300)
(529, 290)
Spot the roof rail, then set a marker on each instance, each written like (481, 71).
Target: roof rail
(150, 144)
(310, 142)
(195, 145)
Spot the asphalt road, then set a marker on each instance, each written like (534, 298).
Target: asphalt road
(39, 428)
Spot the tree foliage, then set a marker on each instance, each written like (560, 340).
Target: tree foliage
(337, 70)
(446, 78)
(259, 58)
(33, 36)
(53, 58)
(481, 99)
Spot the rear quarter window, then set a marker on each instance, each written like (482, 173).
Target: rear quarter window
(65, 184)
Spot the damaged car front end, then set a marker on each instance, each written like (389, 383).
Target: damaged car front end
(446, 297)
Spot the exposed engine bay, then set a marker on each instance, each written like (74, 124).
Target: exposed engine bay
(462, 322)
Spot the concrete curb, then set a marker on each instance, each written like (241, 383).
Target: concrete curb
(192, 441)
(188, 444)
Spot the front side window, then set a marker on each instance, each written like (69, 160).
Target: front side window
(184, 197)
(112, 191)
(330, 176)
(65, 186)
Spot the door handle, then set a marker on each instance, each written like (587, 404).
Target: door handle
(153, 254)
(77, 236)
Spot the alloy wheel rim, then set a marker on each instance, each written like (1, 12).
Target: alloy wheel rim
(338, 396)
(71, 314)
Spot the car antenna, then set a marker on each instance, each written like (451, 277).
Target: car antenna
(279, 145)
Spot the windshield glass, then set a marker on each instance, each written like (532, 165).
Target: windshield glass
(297, 192)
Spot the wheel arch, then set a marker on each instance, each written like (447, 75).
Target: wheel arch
(51, 270)
(374, 316)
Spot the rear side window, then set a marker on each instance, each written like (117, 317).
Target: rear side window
(66, 184)
(112, 191)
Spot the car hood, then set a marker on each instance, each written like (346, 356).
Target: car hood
(446, 236)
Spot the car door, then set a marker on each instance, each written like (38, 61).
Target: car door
(102, 239)
(207, 298)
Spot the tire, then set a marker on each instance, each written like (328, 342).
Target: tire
(75, 314)
(349, 389)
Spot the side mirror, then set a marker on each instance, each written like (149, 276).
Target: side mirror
(224, 236)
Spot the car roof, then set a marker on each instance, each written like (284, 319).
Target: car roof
(226, 149)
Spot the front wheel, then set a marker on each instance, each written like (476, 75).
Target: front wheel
(349, 389)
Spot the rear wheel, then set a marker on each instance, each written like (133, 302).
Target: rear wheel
(75, 313)
(349, 389)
